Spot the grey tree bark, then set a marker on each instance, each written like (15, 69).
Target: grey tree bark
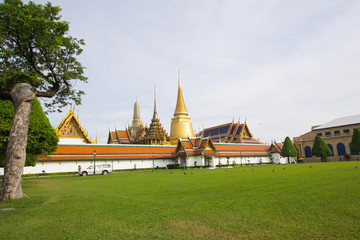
(22, 95)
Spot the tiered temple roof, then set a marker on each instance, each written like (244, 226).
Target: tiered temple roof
(118, 137)
(230, 133)
(275, 147)
(71, 131)
(195, 146)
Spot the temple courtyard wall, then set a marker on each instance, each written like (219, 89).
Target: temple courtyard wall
(44, 166)
(72, 166)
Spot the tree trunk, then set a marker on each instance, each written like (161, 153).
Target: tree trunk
(22, 95)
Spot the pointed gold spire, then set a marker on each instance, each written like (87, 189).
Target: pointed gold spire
(181, 124)
(180, 103)
(155, 116)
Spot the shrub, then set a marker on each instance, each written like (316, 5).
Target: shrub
(173, 166)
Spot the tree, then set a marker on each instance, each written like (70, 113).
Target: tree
(37, 59)
(355, 141)
(288, 149)
(321, 148)
(42, 138)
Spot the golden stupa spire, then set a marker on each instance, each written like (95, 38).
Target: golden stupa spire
(181, 124)
(155, 116)
(136, 122)
(180, 103)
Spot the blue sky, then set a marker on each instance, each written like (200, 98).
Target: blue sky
(282, 65)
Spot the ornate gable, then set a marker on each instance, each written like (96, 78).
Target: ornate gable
(245, 132)
(70, 127)
(195, 146)
(275, 147)
(208, 147)
(180, 148)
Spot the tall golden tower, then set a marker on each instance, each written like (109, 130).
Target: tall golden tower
(136, 122)
(136, 126)
(181, 124)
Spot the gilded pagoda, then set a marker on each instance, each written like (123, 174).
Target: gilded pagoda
(155, 134)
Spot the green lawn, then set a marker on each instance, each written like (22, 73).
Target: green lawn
(259, 202)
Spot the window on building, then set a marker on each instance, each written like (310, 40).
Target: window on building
(337, 132)
(341, 149)
(327, 134)
(346, 131)
(332, 149)
(319, 134)
(308, 152)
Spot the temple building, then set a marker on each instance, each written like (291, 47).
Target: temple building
(70, 130)
(337, 134)
(230, 133)
(141, 147)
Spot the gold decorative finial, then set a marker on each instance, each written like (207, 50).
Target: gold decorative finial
(155, 116)
(180, 103)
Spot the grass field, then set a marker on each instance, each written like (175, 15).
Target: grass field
(259, 202)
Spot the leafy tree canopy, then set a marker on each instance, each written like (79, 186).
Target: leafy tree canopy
(37, 59)
(42, 138)
(35, 48)
(288, 149)
(321, 148)
(355, 141)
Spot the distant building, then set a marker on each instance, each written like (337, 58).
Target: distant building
(230, 133)
(336, 133)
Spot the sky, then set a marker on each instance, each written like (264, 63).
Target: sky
(283, 66)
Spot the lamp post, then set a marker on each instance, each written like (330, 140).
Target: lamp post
(94, 161)
(240, 160)
(153, 163)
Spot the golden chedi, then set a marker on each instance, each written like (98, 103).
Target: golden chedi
(181, 124)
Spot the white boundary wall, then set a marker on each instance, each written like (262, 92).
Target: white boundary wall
(279, 159)
(243, 160)
(72, 166)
